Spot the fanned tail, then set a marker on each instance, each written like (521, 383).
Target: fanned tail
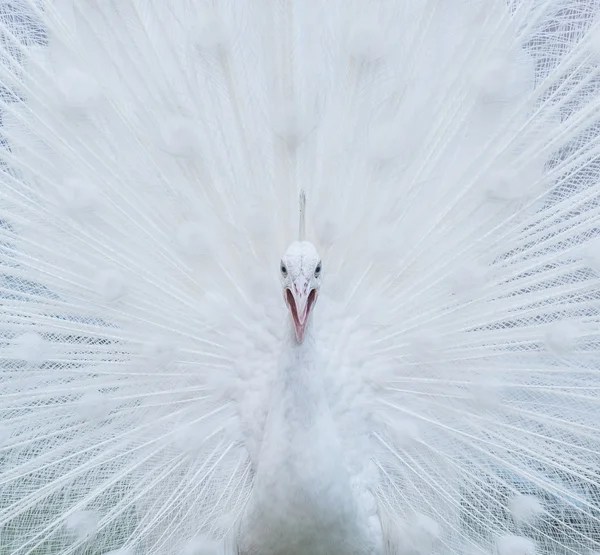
(153, 155)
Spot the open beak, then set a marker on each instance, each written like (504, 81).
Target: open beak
(300, 302)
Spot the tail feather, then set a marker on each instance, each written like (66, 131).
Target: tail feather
(152, 158)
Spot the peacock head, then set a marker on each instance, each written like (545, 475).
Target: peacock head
(300, 272)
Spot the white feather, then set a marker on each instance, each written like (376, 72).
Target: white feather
(153, 153)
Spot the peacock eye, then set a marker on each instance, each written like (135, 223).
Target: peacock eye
(283, 270)
(318, 270)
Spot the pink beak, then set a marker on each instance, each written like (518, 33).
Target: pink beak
(300, 302)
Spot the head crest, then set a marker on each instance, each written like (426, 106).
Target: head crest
(302, 215)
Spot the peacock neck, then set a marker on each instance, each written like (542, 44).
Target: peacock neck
(298, 384)
(302, 499)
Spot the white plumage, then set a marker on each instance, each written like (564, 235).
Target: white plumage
(157, 396)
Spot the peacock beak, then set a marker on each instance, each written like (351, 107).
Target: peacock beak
(300, 300)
